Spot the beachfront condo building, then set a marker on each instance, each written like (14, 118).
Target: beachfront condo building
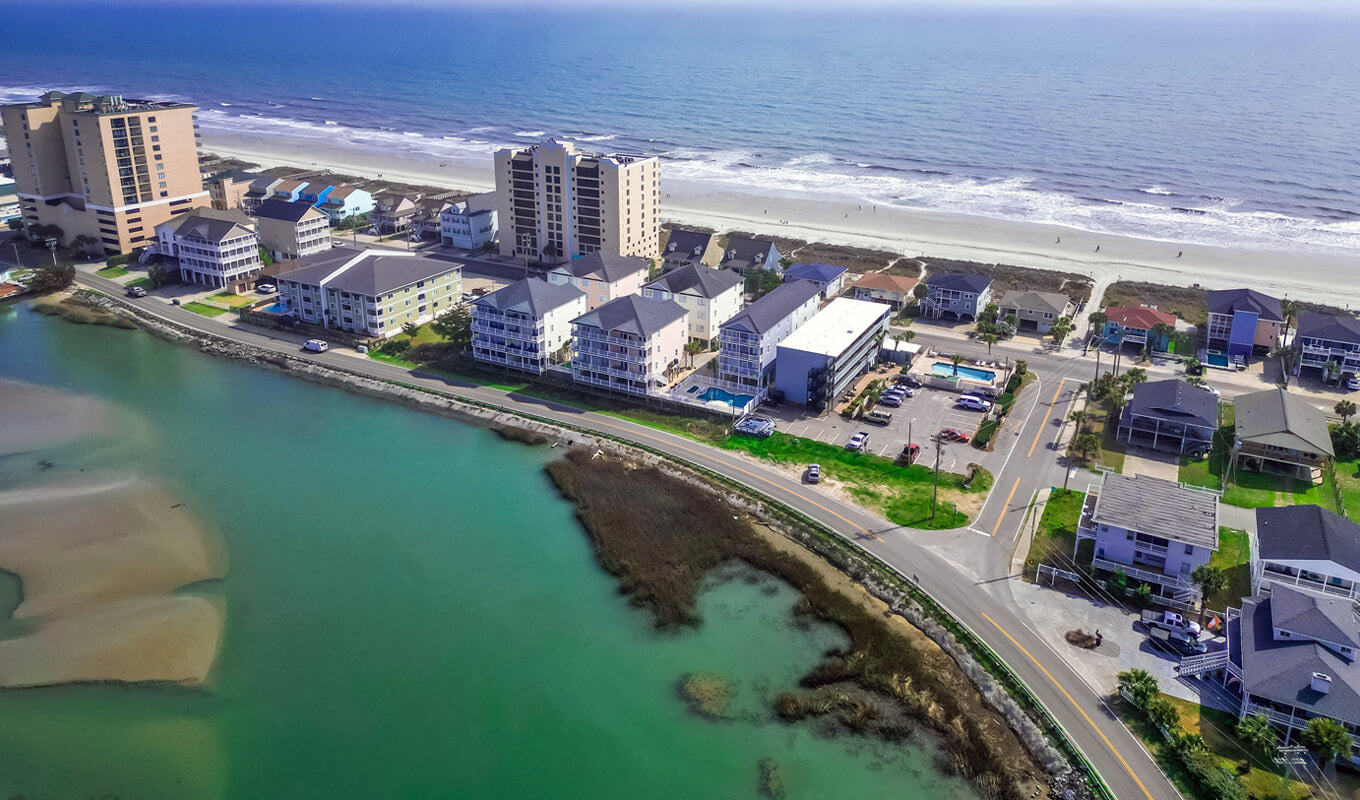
(710, 296)
(219, 249)
(557, 203)
(823, 358)
(370, 293)
(629, 345)
(525, 325)
(229, 189)
(749, 341)
(104, 167)
(290, 231)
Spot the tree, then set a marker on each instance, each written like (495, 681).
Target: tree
(1326, 737)
(1287, 356)
(1133, 377)
(762, 281)
(1290, 310)
(86, 245)
(1162, 714)
(1009, 324)
(549, 252)
(1060, 329)
(1139, 685)
(53, 278)
(1117, 402)
(454, 325)
(785, 262)
(1021, 367)
(1078, 416)
(920, 291)
(265, 258)
(1159, 332)
(990, 339)
(410, 329)
(693, 348)
(1256, 732)
(1330, 369)
(1211, 580)
(1195, 380)
(956, 359)
(1184, 342)
(159, 274)
(1344, 409)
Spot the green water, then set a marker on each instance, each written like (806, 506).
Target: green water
(412, 612)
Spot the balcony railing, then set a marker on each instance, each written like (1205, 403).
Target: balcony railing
(1310, 584)
(1160, 578)
(1149, 547)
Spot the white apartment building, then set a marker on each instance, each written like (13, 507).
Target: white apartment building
(290, 231)
(525, 324)
(710, 297)
(629, 345)
(557, 203)
(822, 358)
(370, 293)
(749, 341)
(214, 248)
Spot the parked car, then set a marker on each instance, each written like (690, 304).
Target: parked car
(266, 288)
(1182, 642)
(954, 435)
(891, 400)
(858, 442)
(136, 291)
(909, 453)
(814, 473)
(902, 391)
(1171, 621)
(1353, 383)
(316, 346)
(878, 417)
(1211, 390)
(909, 380)
(973, 402)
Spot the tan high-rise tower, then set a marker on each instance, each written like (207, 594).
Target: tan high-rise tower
(104, 166)
(555, 203)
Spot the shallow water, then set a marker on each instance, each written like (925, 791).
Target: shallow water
(412, 611)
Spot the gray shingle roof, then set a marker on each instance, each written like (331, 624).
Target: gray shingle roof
(1283, 670)
(533, 296)
(743, 253)
(632, 314)
(687, 245)
(368, 272)
(213, 226)
(1307, 533)
(1329, 619)
(283, 210)
(1276, 417)
(1228, 301)
(1052, 302)
(697, 280)
(603, 266)
(766, 312)
(1159, 508)
(825, 273)
(1176, 401)
(959, 282)
(1337, 327)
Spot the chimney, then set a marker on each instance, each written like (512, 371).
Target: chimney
(1322, 683)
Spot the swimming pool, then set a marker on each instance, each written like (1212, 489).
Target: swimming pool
(277, 308)
(985, 375)
(734, 400)
(1216, 359)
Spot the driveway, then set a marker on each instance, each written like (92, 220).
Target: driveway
(1142, 461)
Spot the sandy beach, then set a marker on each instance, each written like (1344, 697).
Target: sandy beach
(1297, 275)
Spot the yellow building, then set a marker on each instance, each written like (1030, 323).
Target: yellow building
(104, 167)
(554, 203)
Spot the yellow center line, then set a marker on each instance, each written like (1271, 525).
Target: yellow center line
(1040, 432)
(1079, 709)
(1005, 507)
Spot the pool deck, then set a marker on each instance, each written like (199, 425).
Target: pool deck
(923, 369)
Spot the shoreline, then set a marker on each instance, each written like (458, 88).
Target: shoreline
(1298, 275)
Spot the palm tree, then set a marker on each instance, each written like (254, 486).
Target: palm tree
(989, 339)
(1078, 416)
(1060, 329)
(1211, 580)
(1256, 732)
(1012, 323)
(1290, 310)
(1159, 332)
(1344, 409)
(956, 359)
(1287, 356)
(1327, 737)
(693, 348)
(1329, 369)
(1139, 685)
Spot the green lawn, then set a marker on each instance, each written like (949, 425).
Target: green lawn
(207, 311)
(233, 300)
(1056, 532)
(145, 283)
(1233, 557)
(1111, 450)
(903, 494)
(1348, 481)
(112, 272)
(1250, 489)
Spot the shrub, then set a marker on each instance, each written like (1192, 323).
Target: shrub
(118, 260)
(1214, 781)
(395, 347)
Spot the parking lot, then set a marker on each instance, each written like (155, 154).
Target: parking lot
(918, 418)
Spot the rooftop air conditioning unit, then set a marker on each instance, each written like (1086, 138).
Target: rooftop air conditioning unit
(1322, 683)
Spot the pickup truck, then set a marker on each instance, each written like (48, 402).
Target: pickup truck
(1171, 621)
(1182, 642)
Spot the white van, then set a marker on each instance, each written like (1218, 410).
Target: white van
(973, 402)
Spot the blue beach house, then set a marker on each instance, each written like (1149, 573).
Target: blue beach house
(1243, 322)
(1133, 325)
(343, 202)
(314, 193)
(830, 279)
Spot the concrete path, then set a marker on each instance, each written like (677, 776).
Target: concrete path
(1140, 461)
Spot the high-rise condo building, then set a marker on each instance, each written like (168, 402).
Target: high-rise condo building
(105, 166)
(556, 203)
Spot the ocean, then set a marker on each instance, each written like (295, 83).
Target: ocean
(1223, 128)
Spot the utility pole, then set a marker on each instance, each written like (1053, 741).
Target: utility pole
(1290, 756)
(935, 488)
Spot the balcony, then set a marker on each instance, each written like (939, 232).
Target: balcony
(1149, 547)
(1312, 583)
(1159, 578)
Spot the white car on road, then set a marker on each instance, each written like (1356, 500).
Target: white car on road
(316, 346)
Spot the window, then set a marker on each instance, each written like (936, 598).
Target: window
(1189, 549)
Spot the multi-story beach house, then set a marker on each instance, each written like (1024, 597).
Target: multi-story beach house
(526, 324)
(602, 276)
(370, 293)
(1243, 322)
(558, 203)
(710, 297)
(1307, 548)
(1134, 325)
(392, 213)
(106, 167)
(289, 191)
(428, 220)
(227, 190)
(290, 231)
(822, 358)
(1155, 530)
(828, 277)
(684, 248)
(261, 189)
(1328, 339)
(629, 345)
(744, 254)
(463, 225)
(895, 290)
(343, 202)
(956, 296)
(214, 248)
(1170, 415)
(314, 193)
(749, 342)
(1036, 311)
(1281, 433)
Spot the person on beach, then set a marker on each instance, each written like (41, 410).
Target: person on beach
(1059, 240)
(1180, 253)
(1097, 248)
